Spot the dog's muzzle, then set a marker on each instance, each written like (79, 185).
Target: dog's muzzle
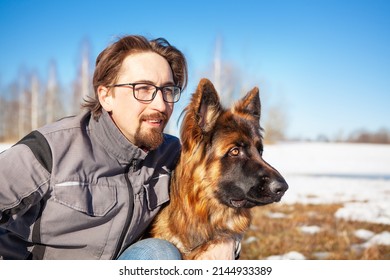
(266, 192)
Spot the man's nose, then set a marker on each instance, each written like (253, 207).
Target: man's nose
(158, 101)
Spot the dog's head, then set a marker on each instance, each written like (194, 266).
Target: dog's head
(228, 146)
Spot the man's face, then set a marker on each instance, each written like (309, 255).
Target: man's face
(142, 123)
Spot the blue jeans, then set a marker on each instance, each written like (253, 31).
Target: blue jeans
(151, 249)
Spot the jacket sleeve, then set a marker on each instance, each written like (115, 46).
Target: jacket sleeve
(24, 176)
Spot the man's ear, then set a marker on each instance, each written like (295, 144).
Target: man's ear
(105, 97)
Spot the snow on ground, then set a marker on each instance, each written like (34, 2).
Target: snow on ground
(293, 255)
(355, 175)
(310, 229)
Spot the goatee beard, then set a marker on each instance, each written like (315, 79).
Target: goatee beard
(153, 137)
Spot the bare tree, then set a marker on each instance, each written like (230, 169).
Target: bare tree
(22, 106)
(34, 102)
(54, 108)
(226, 77)
(11, 112)
(82, 86)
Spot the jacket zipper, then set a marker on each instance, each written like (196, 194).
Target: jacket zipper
(129, 217)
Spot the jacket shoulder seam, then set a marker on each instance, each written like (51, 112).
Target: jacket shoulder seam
(40, 147)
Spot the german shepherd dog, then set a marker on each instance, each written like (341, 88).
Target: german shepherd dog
(220, 175)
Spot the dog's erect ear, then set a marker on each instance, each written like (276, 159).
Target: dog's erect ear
(201, 113)
(249, 105)
(207, 105)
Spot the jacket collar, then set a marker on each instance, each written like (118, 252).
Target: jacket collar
(113, 141)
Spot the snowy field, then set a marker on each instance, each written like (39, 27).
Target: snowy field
(355, 175)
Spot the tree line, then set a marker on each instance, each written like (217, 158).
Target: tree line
(381, 136)
(28, 102)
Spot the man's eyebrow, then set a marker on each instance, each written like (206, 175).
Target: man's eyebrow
(170, 83)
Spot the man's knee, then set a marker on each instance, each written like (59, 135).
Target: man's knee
(151, 249)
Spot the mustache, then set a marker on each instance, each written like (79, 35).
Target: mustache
(153, 116)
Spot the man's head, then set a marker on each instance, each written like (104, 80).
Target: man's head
(119, 70)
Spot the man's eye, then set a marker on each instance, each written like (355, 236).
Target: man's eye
(168, 90)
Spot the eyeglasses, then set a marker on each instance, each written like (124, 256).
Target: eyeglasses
(147, 92)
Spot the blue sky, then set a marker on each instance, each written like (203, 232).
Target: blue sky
(326, 64)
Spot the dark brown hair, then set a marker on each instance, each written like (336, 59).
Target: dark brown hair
(109, 62)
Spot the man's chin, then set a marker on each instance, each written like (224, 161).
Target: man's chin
(150, 140)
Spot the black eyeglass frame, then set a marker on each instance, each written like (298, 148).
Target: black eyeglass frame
(154, 93)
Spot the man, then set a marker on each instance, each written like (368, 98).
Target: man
(87, 187)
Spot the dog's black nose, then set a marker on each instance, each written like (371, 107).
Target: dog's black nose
(278, 187)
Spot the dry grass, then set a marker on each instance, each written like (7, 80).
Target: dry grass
(335, 240)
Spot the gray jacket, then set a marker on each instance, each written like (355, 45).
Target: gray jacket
(77, 189)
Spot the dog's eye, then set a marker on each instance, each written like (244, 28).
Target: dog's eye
(234, 152)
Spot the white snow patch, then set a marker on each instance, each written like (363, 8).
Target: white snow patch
(373, 239)
(293, 255)
(310, 229)
(382, 238)
(364, 234)
(374, 212)
(276, 215)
